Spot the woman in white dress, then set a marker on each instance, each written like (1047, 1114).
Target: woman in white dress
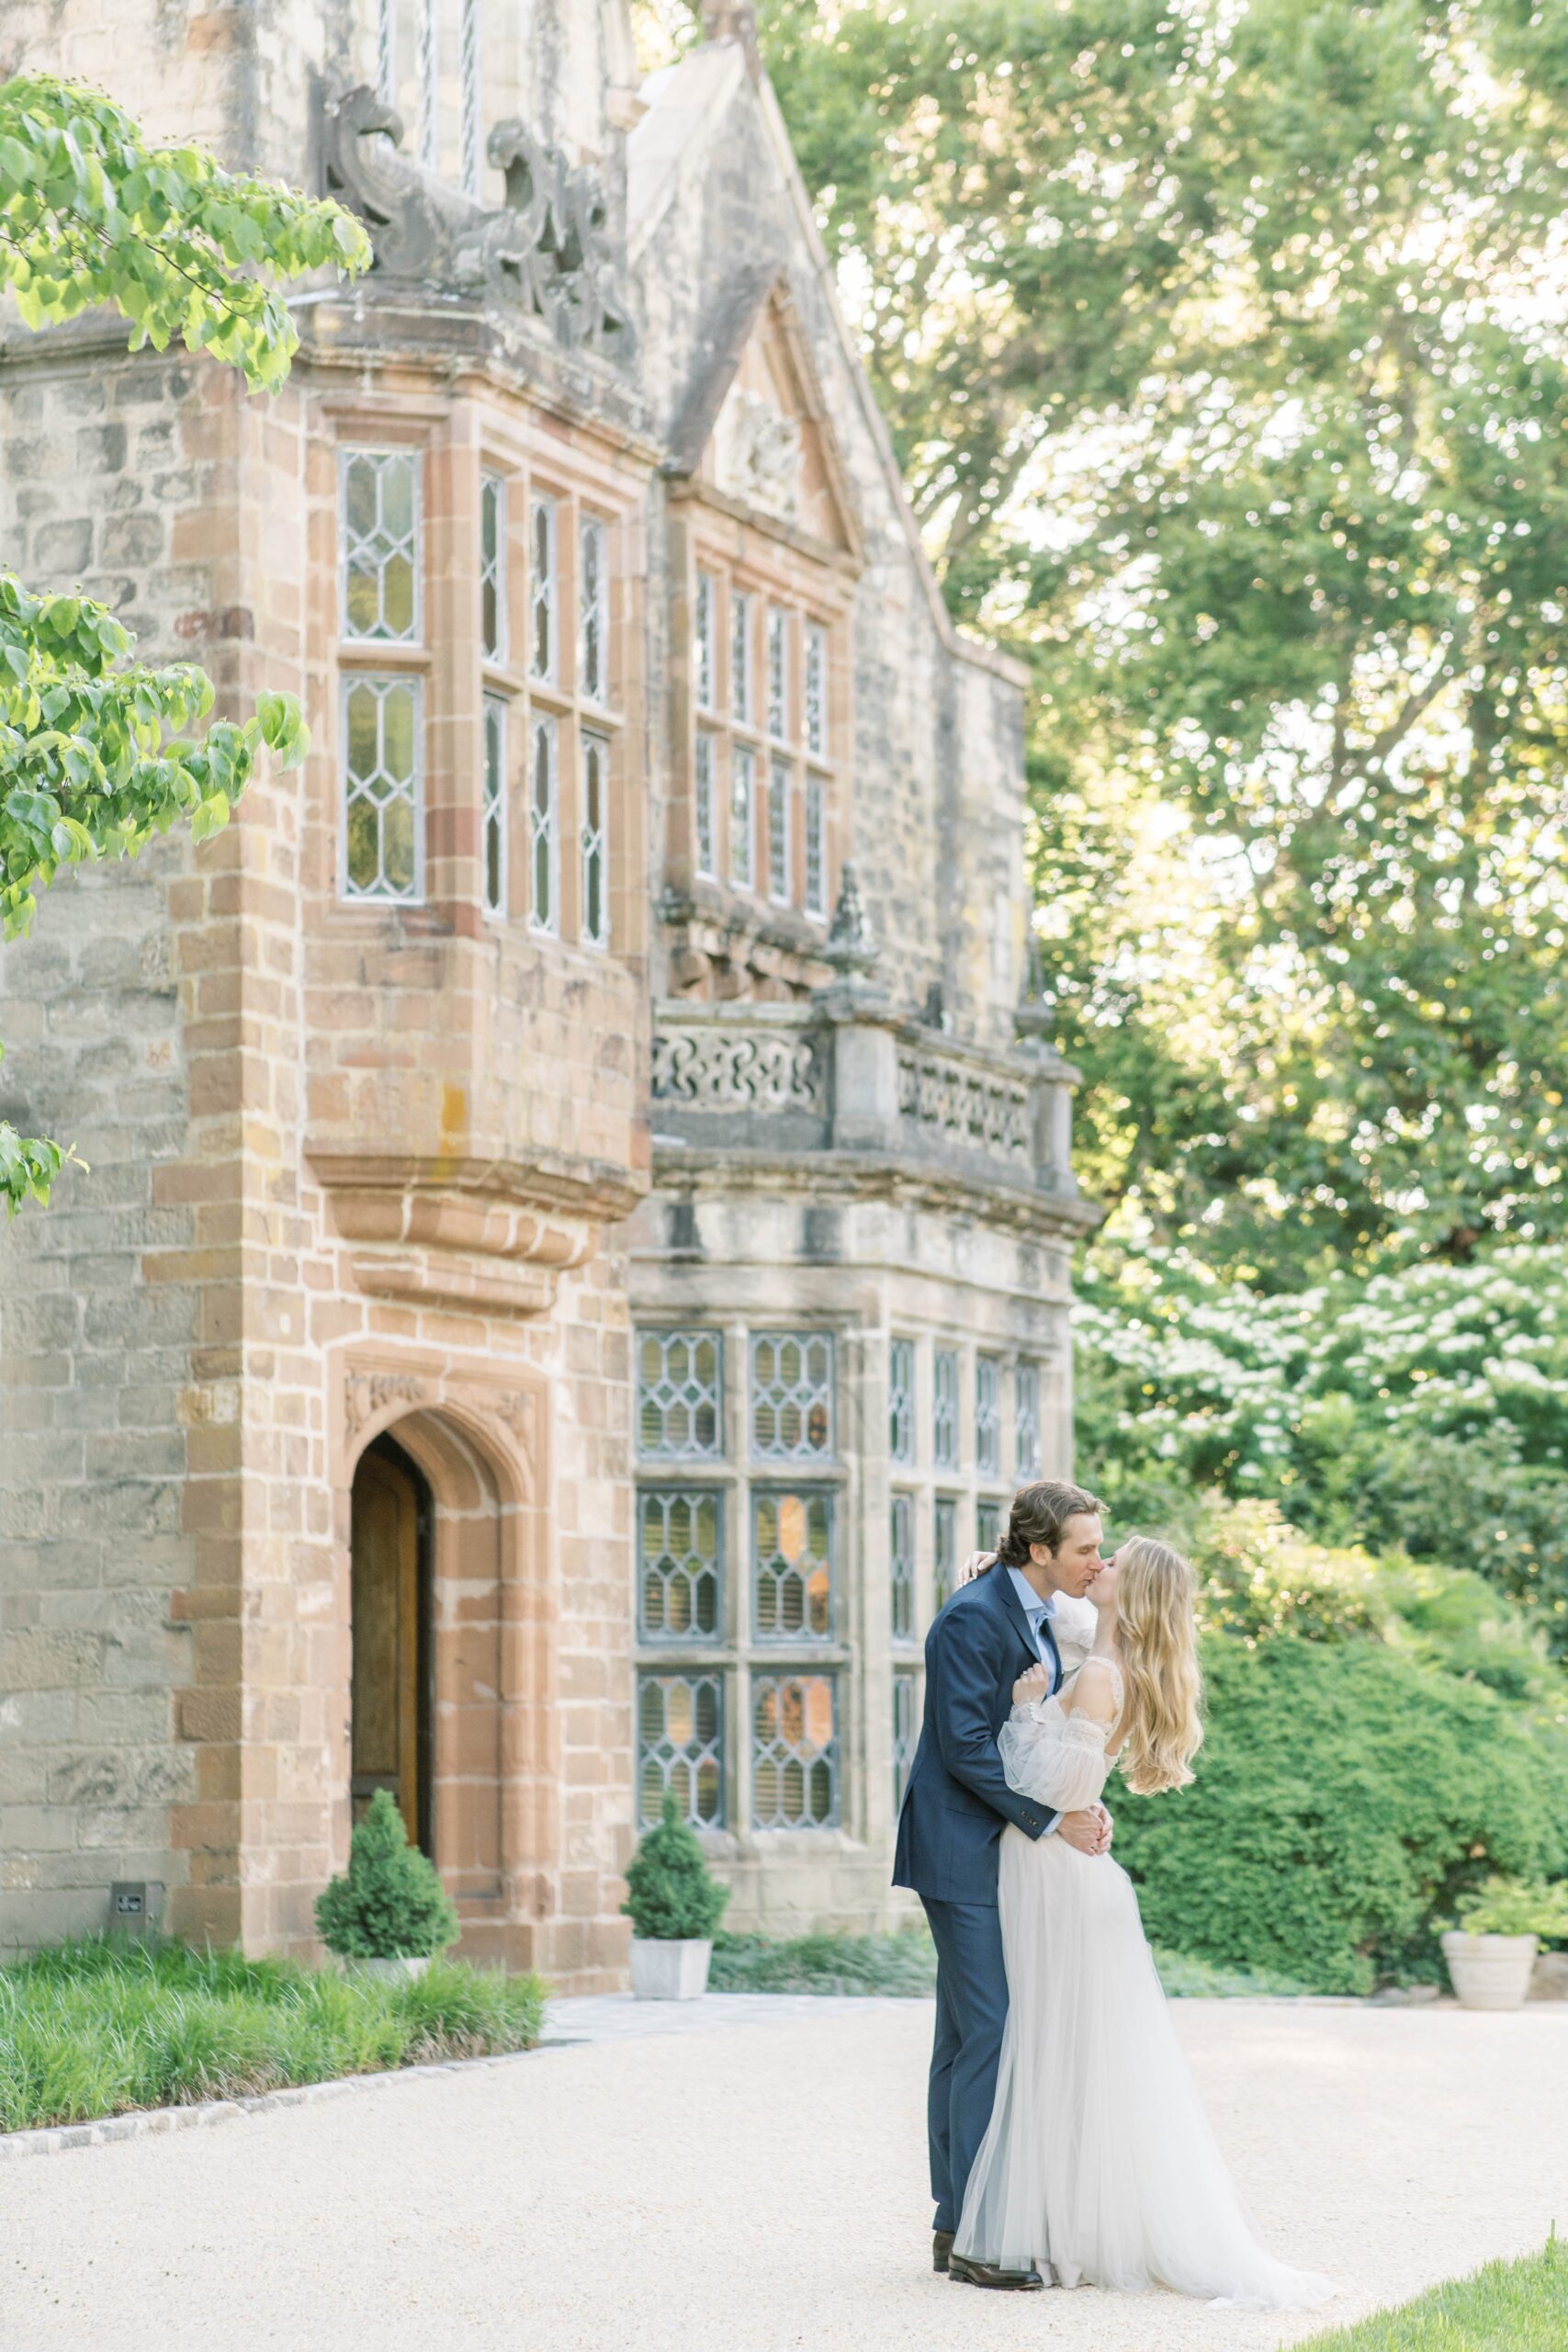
(1099, 2160)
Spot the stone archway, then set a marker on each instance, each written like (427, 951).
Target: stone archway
(492, 1763)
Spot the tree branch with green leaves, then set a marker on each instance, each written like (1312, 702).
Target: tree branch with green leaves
(98, 752)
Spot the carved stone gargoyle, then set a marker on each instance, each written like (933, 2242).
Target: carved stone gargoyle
(547, 253)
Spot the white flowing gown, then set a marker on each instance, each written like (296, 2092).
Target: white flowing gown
(1100, 2159)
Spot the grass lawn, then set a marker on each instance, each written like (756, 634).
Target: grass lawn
(906, 1963)
(1507, 2307)
(101, 2024)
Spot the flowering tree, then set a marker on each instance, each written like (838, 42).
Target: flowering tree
(1426, 1409)
(98, 752)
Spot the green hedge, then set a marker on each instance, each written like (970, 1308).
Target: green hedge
(1348, 1791)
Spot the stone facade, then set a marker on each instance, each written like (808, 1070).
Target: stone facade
(596, 1084)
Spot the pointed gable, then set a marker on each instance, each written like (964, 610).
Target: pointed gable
(754, 430)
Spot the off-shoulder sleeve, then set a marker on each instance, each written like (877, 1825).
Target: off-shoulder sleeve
(1058, 1762)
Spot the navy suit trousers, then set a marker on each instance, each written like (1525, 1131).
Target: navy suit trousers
(971, 2015)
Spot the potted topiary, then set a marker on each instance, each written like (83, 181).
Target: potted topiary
(1492, 1951)
(389, 1913)
(674, 1904)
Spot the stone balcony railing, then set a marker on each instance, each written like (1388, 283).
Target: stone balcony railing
(845, 1074)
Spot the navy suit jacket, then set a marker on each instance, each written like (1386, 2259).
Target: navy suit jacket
(958, 1800)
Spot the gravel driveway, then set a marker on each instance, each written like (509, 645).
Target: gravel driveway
(750, 2179)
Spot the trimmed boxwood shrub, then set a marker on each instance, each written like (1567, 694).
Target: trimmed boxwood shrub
(390, 1903)
(1348, 1794)
(671, 1893)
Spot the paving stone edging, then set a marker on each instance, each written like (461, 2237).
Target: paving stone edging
(141, 2121)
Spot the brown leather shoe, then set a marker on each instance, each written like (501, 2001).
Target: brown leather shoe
(941, 2247)
(964, 2270)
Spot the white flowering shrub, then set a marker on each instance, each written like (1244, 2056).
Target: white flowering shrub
(1424, 1411)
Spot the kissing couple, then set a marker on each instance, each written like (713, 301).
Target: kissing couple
(1067, 2139)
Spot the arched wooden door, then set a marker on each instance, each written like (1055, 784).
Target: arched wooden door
(390, 1708)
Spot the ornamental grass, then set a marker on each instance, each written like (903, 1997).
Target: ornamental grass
(99, 2025)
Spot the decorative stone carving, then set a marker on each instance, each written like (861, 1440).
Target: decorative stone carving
(737, 1069)
(515, 1407)
(757, 453)
(366, 1394)
(1034, 1020)
(965, 1109)
(851, 943)
(547, 253)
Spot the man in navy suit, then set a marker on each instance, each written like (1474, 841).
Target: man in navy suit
(954, 1809)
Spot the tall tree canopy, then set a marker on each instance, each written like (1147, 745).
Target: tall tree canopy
(95, 752)
(1224, 347)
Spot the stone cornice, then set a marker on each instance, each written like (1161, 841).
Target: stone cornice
(689, 1171)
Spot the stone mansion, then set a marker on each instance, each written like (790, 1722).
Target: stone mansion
(575, 1244)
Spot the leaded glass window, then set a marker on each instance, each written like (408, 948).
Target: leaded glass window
(906, 1733)
(678, 1404)
(741, 657)
(901, 1399)
(381, 545)
(492, 567)
(1027, 1428)
(817, 690)
(703, 799)
(494, 815)
(680, 1552)
(594, 842)
(815, 848)
(794, 1752)
(681, 1746)
(593, 610)
(988, 1416)
(792, 1396)
(469, 69)
(703, 639)
(901, 1556)
(778, 834)
(944, 1409)
(987, 1526)
(544, 827)
(427, 50)
(944, 1547)
(792, 1556)
(778, 674)
(383, 789)
(742, 831)
(542, 589)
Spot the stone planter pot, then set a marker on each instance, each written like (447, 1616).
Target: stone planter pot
(1549, 1978)
(673, 1969)
(1489, 1972)
(405, 1964)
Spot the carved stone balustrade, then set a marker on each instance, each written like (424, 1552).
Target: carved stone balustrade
(845, 1075)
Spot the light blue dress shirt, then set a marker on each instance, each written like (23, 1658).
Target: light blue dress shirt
(1036, 1611)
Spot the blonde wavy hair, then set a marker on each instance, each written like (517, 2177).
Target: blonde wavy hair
(1158, 1638)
